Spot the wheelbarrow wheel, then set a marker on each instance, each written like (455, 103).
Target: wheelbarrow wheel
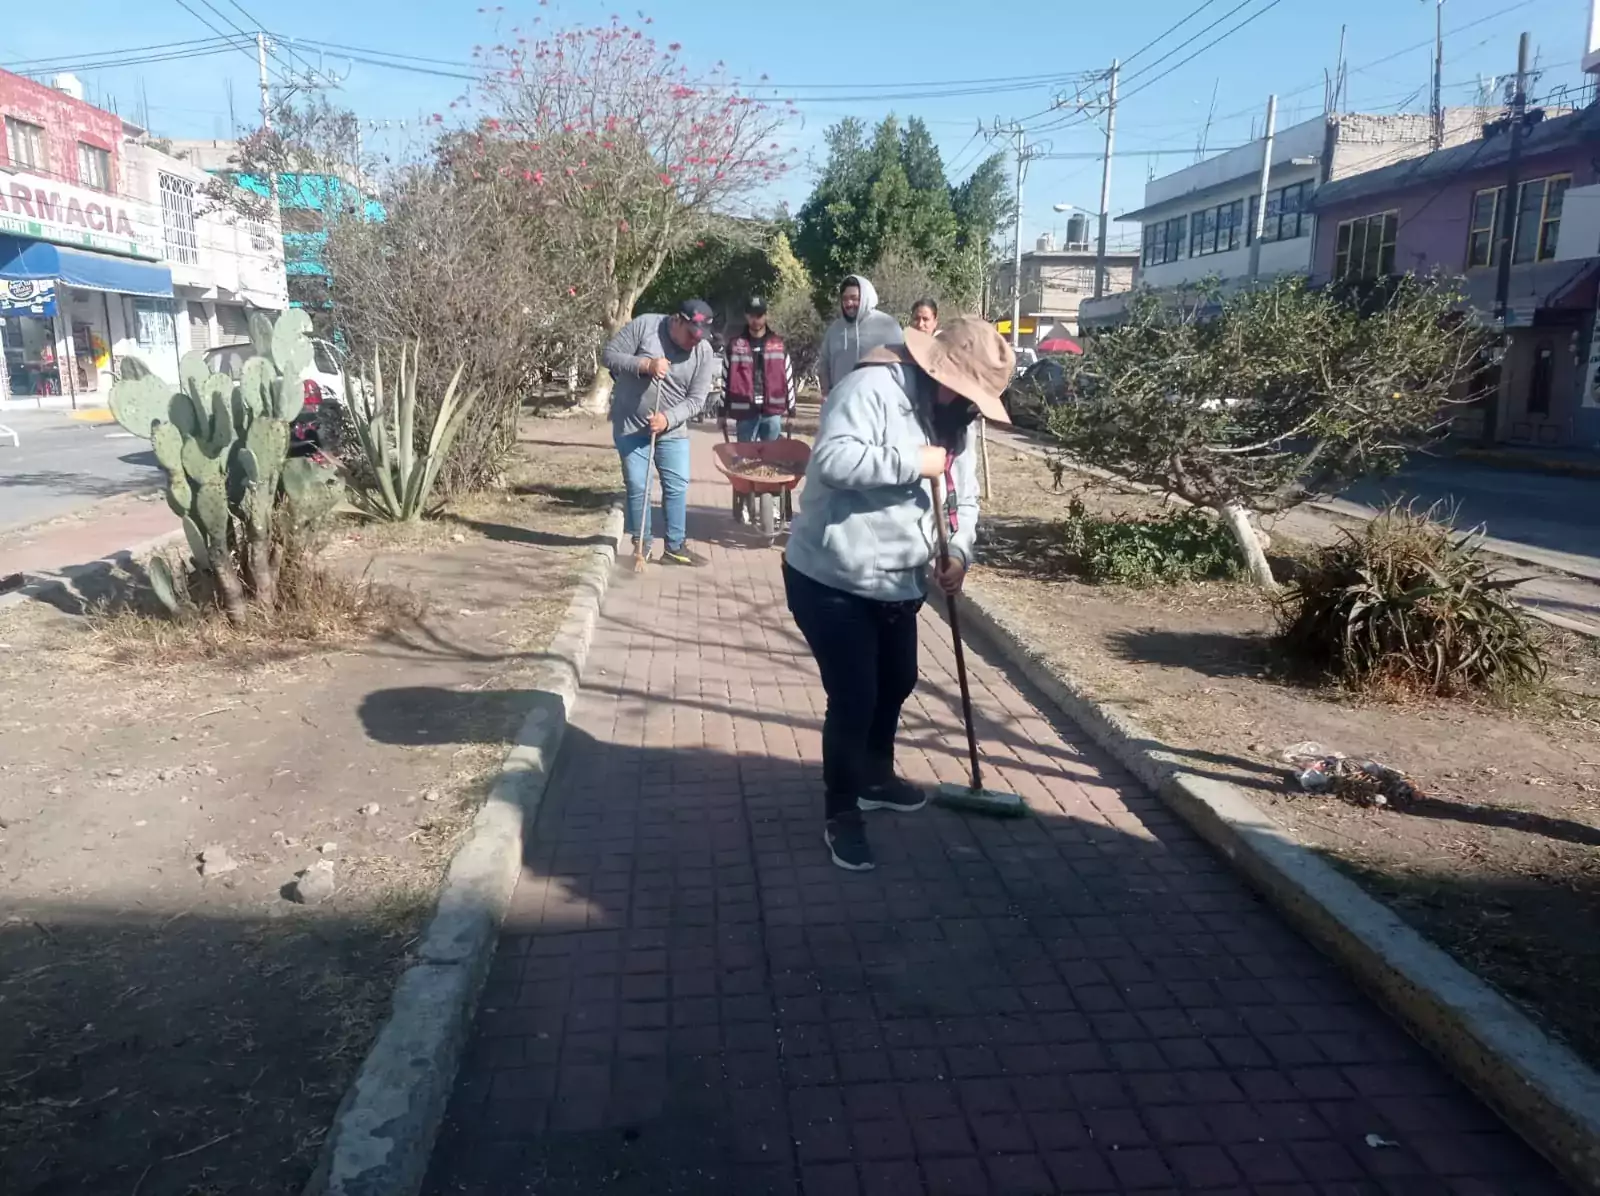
(767, 508)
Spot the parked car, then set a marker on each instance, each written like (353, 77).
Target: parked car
(322, 385)
(1025, 358)
(1042, 385)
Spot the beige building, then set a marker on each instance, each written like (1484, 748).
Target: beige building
(1054, 283)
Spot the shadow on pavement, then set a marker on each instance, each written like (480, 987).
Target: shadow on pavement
(688, 998)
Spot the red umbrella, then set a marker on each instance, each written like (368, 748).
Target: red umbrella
(1060, 344)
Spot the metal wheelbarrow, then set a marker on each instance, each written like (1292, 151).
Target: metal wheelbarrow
(766, 473)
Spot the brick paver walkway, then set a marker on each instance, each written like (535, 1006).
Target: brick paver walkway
(688, 998)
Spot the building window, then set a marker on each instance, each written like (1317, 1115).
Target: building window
(1216, 230)
(94, 167)
(1287, 214)
(1538, 221)
(1485, 223)
(153, 327)
(1540, 381)
(25, 144)
(177, 219)
(1163, 241)
(260, 238)
(1365, 246)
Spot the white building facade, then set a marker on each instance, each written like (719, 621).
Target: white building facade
(1199, 223)
(224, 265)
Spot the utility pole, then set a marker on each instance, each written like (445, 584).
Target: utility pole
(266, 118)
(1335, 82)
(1438, 74)
(1105, 183)
(1016, 260)
(1266, 184)
(1025, 153)
(1506, 239)
(261, 71)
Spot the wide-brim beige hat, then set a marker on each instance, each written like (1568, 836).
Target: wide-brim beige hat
(967, 355)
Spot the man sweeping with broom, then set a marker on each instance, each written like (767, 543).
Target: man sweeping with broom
(894, 436)
(662, 370)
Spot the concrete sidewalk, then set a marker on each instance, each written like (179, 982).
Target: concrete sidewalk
(688, 997)
(94, 533)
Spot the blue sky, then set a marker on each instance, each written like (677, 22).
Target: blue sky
(837, 57)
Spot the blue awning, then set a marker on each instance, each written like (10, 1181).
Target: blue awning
(83, 269)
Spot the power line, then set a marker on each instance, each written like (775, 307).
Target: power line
(311, 72)
(1190, 40)
(1169, 31)
(779, 86)
(1365, 67)
(33, 63)
(227, 37)
(88, 67)
(1076, 120)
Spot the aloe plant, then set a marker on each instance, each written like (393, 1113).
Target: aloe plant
(224, 446)
(403, 476)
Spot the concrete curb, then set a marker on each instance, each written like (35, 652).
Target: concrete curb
(44, 584)
(1565, 467)
(384, 1130)
(1542, 1090)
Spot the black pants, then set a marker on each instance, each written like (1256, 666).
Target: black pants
(866, 652)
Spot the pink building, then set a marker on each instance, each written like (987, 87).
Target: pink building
(81, 278)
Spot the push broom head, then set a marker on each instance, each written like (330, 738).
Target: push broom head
(958, 796)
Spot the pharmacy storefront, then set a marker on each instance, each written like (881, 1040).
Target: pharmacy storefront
(81, 287)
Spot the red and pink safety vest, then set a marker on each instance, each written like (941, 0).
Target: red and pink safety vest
(741, 384)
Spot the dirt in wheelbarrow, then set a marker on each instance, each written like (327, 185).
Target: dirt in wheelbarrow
(766, 471)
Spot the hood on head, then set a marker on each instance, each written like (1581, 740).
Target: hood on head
(869, 294)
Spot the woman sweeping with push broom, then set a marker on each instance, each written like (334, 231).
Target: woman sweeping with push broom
(893, 434)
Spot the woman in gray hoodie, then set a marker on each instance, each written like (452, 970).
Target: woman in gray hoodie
(857, 567)
(860, 328)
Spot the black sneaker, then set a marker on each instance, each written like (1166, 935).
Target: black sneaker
(680, 556)
(846, 836)
(900, 796)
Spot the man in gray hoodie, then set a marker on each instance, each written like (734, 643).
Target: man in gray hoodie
(860, 328)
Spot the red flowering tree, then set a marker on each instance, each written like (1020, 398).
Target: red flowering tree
(607, 125)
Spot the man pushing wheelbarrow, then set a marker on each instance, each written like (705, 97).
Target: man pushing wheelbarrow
(759, 389)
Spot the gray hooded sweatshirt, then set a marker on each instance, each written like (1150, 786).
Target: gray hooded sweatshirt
(865, 523)
(847, 341)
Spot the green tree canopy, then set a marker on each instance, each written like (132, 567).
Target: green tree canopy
(890, 199)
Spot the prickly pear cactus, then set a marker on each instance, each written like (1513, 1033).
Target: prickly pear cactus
(140, 401)
(224, 446)
(165, 586)
(310, 491)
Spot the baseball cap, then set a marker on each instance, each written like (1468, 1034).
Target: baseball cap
(698, 312)
(755, 306)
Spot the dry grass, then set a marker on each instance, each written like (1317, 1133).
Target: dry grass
(319, 608)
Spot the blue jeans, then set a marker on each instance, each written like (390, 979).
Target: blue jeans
(760, 427)
(672, 466)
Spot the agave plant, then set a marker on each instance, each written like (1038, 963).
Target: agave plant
(1409, 600)
(402, 476)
